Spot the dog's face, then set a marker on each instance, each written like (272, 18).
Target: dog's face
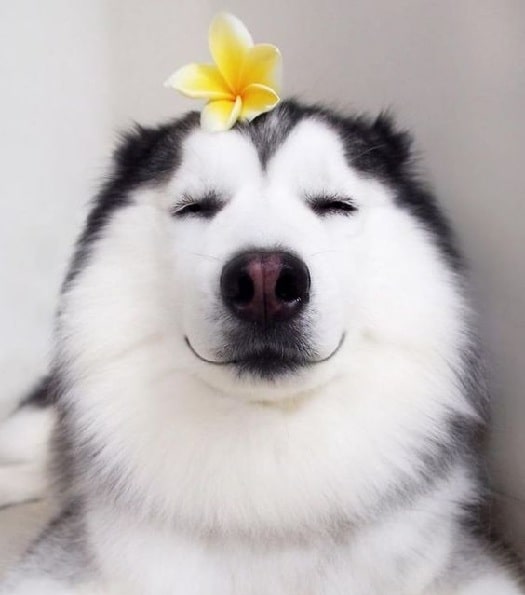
(265, 254)
(275, 254)
(281, 299)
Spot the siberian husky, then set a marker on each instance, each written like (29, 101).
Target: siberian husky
(266, 378)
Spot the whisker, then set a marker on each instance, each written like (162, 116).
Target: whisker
(205, 256)
(323, 252)
(215, 258)
(8, 505)
(368, 150)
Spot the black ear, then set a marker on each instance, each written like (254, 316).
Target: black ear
(376, 146)
(134, 147)
(145, 154)
(140, 152)
(394, 144)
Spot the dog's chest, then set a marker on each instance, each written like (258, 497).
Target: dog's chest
(139, 560)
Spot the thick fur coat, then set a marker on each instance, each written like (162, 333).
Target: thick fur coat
(198, 452)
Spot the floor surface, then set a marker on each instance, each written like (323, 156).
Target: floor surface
(19, 525)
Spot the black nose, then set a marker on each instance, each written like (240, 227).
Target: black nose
(265, 287)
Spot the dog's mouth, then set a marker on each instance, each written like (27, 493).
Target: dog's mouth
(269, 361)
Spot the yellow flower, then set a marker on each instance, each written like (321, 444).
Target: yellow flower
(243, 82)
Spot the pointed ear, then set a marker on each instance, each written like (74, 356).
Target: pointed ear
(134, 148)
(145, 154)
(394, 145)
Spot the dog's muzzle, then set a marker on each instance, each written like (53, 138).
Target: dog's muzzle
(265, 294)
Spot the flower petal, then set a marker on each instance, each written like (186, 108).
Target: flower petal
(229, 44)
(200, 81)
(220, 115)
(256, 100)
(263, 65)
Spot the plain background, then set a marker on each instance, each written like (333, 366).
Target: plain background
(72, 72)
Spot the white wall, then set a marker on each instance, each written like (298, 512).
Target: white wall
(54, 134)
(452, 70)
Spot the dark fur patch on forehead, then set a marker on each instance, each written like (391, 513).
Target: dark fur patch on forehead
(373, 146)
(269, 131)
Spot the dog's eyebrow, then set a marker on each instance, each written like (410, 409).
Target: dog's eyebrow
(208, 195)
(205, 205)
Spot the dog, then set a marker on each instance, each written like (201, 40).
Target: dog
(266, 375)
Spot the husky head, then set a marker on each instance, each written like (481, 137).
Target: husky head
(227, 279)
(265, 258)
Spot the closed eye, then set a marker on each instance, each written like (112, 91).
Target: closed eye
(332, 205)
(204, 207)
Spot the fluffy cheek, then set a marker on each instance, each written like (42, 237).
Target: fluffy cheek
(336, 267)
(122, 300)
(197, 289)
(331, 297)
(409, 296)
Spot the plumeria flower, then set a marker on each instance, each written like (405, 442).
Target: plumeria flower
(242, 84)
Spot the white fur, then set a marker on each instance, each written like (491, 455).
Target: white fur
(376, 277)
(239, 486)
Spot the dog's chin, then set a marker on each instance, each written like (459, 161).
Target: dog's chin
(269, 365)
(268, 373)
